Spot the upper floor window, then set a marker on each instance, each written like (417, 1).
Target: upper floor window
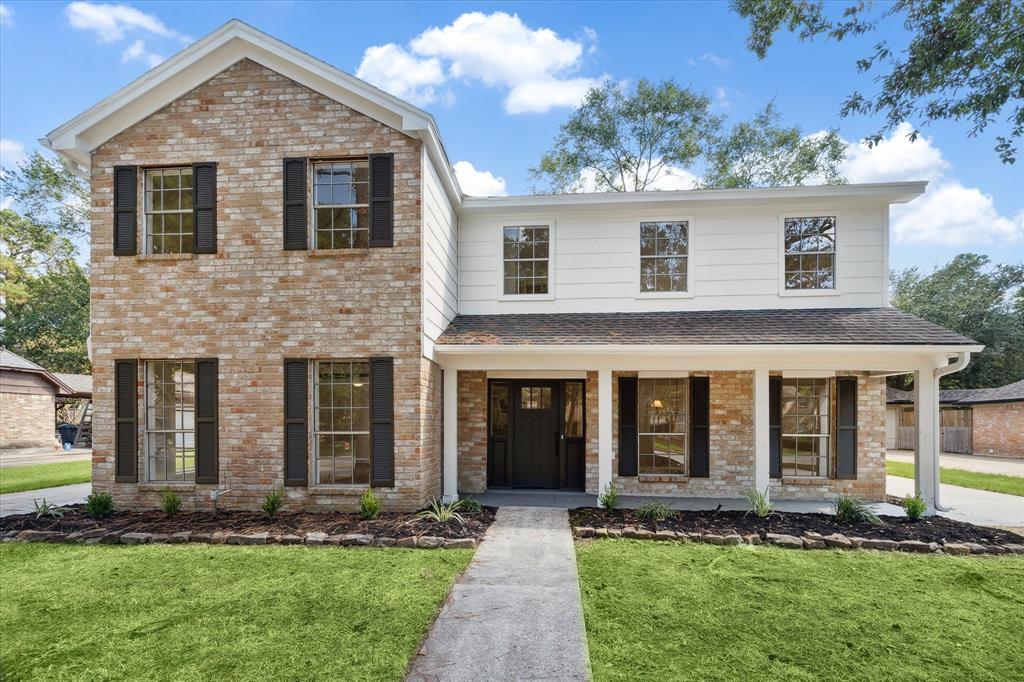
(662, 424)
(169, 216)
(664, 251)
(806, 427)
(341, 204)
(810, 244)
(526, 251)
(170, 420)
(341, 394)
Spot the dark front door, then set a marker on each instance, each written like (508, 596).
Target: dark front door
(536, 434)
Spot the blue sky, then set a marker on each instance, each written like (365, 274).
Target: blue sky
(501, 77)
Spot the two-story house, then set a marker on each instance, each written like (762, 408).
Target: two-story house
(290, 290)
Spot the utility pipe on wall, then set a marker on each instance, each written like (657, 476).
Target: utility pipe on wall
(961, 361)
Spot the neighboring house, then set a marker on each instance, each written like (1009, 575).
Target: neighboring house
(980, 421)
(29, 395)
(290, 289)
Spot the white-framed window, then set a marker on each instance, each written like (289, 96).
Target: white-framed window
(341, 204)
(663, 418)
(169, 224)
(341, 421)
(664, 256)
(809, 253)
(526, 260)
(170, 420)
(806, 427)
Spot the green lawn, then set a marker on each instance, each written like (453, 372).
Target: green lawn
(997, 483)
(36, 476)
(200, 612)
(661, 611)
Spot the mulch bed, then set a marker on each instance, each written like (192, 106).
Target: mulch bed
(392, 525)
(929, 529)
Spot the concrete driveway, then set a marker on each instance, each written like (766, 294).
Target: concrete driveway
(979, 507)
(18, 457)
(23, 503)
(984, 465)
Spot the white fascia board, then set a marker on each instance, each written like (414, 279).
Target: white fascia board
(889, 192)
(808, 373)
(703, 349)
(537, 374)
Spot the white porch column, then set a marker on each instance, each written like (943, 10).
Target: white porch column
(451, 435)
(762, 434)
(926, 441)
(604, 429)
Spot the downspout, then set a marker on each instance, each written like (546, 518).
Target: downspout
(962, 358)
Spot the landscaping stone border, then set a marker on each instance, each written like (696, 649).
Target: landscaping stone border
(102, 536)
(809, 540)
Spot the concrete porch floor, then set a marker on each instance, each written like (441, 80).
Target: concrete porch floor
(571, 500)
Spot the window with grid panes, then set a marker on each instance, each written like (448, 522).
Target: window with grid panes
(806, 427)
(810, 257)
(526, 251)
(664, 249)
(662, 425)
(341, 413)
(341, 204)
(170, 420)
(169, 218)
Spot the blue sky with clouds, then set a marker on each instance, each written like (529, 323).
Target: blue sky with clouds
(501, 77)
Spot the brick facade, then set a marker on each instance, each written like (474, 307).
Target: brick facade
(999, 429)
(26, 420)
(252, 303)
(731, 443)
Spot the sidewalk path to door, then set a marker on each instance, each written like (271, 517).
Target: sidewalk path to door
(516, 613)
(980, 507)
(22, 503)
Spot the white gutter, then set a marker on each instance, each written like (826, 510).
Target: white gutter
(633, 349)
(962, 358)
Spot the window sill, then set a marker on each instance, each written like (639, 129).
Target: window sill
(805, 480)
(664, 294)
(337, 253)
(342, 490)
(526, 297)
(165, 256)
(810, 292)
(157, 486)
(663, 478)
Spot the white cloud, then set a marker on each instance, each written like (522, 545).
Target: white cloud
(6, 15)
(536, 66)
(948, 212)
(714, 60)
(12, 152)
(391, 68)
(479, 183)
(137, 50)
(110, 23)
(722, 97)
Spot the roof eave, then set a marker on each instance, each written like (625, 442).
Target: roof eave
(627, 349)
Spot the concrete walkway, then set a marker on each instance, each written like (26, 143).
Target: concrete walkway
(22, 503)
(516, 613)
(25, 456)
(979, 463)
(980, 507)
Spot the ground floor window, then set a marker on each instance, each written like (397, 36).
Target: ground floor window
(170, 420)
(662, 421)
(806, 427)
(341, 416)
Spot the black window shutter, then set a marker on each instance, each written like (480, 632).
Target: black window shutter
(204, 207)
(125, 209)
(382, 200)
(295, 215)
(700, 427)
(382, 422)
(206, 421)
(126, 421)
(846, 423)
(296, 438)
(627, 426)
(775, 427)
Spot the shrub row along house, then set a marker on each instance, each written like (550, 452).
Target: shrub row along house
(290, 289)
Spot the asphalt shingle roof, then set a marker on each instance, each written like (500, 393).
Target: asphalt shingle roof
(868, 326)
(1010, 393)
(9, 360)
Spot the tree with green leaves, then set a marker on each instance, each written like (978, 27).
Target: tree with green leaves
(965, 59)
(983, 302)
(630, 139)
(765, 153)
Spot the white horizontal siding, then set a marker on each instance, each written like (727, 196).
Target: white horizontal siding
(440, 256)
(735, 258)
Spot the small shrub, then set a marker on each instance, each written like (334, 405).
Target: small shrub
(472, 506)
(272, 503)
(609, 498)
(914, 507)
(439, 512)
(760, 506)
(99, 505)
(44, 508)
(852, 510)
(654, 511)
(171, 503)
(369, 505)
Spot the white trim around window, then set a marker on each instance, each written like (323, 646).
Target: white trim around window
(526, 221)
(781, 230)
(636, 224)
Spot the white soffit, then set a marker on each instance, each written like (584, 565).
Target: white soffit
(808, 373)
(537, 374)
(210, 55)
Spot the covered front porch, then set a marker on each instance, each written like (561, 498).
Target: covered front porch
(686, 423)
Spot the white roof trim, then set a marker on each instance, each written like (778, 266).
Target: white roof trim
(207, 57)
(728, 349)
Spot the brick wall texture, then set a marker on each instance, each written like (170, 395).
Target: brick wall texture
(731, 443)
(999, 429)
(26, 420)
(252, 303)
